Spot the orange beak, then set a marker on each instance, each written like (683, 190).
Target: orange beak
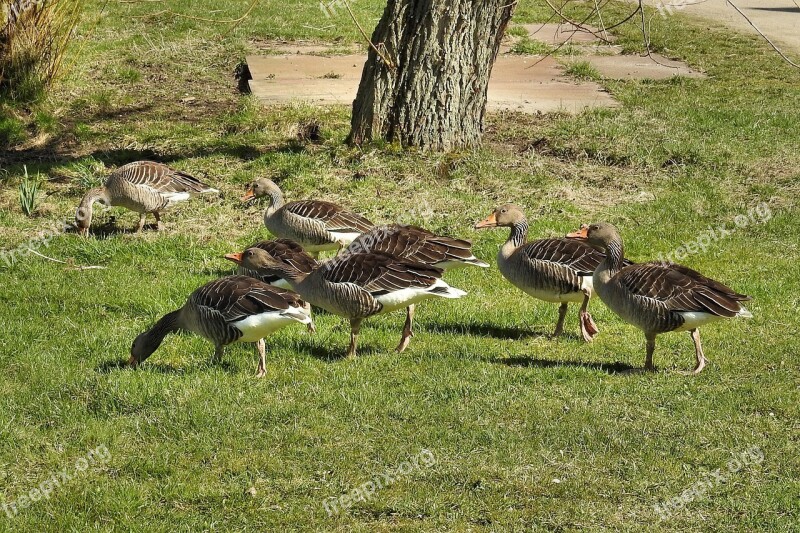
(236, 258)
(248, 195)
(133, 362)
(488, 222)
(582, 233)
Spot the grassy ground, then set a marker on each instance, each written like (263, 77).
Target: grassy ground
(525, 432)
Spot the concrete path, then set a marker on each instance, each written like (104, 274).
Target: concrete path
(777, 19)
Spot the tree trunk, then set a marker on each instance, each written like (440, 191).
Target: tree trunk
(427, 86)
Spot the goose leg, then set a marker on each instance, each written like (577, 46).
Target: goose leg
(355, 327)
(262, 358)
(217, 359)
(139, 227)
(588, 327)
(407, 333)
(651, 346)
(698, 352)
(159, 224)
(562, 312)
(311, 327)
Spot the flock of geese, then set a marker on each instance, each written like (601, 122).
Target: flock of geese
(379, 269)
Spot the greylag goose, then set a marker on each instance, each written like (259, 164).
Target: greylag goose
(317, 225)
(420, 246)
(285, 250)
(289, 252)
(555, 270)
(357, 286)
(659, 297)
(225, 311)
(143, 187)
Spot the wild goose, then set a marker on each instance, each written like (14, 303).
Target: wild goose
(420, 246)
(225, 311)
(285, 250)
(357, 286)
(658, 297)
(553, 270)
(143, 187)
(290, 252)
(316, 225)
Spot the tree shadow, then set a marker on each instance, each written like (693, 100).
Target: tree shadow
(616, 367)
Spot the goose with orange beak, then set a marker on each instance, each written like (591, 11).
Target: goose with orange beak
(658, 297)
(557, 270)
(315, 224)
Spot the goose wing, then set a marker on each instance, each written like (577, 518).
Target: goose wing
(679, 288)
(379, 273)
(235, 298)
(413, 243)
(161, 178)
(332, 216)
(572, 253)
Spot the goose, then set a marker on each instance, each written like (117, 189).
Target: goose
(290, 252)
(658, 297)
(557, 270)
(418, 245)
(285, 250)
(144, 187)
(357, 286)
(315, 224)
(226, 311)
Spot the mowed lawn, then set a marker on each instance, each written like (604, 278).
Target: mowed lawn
(485, 422)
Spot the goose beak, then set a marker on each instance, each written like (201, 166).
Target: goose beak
(132, 362)
(83, 232)
(248, 195)
(582, 233)
(488, 222)
(236, 258)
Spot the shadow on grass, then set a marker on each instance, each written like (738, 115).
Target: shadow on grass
(121, 365)
(490, 330)
(609, 368)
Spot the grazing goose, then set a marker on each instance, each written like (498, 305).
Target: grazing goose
(659, 297)
(420, 246)
(224, 311)
(143, 187)
(317, 225)
(554, 270)
(289, 252)
(357, 286)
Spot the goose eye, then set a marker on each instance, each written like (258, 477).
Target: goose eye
(503, 210)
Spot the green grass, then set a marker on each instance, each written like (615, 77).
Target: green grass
(582, 70)
(505, 410)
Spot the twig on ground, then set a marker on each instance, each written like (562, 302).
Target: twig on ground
(792, 63)
(70, 265)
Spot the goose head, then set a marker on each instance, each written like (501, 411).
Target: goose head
(143, 347)
(260, 188)
(508, 215)
(83, 215)
(599, 234)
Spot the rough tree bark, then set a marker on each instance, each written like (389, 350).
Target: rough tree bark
(427, 86)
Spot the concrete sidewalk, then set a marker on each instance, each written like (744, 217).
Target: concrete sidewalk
(777, 19)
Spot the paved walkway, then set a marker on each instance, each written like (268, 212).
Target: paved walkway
(777, 19)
